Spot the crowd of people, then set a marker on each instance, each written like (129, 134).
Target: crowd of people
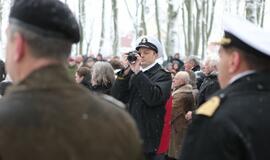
(130, 107)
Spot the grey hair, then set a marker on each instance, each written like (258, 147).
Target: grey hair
(194, 60)
(40, 45)
(102, 74)
(184, 76)
(212, 62)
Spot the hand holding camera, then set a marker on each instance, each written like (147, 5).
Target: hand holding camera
(134, 61)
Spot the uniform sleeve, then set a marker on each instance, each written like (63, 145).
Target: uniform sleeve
(209, 139)
(153, 93)
(120, 88)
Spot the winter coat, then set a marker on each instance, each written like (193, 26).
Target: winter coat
(183, 101)
(145, 94)
(48, 116)
(209, 86)
(102, 89)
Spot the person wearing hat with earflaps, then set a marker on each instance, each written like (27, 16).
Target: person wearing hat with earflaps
(145, 87)
(234, 123)
(46, 115)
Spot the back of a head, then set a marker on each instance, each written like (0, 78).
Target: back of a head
(48, 26)
(194, 60)
(103, 73)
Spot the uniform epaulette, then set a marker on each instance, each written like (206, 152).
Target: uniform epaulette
(120, 78)
(209, 107)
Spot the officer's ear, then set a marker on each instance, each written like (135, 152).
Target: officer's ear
(156, 55)
(20, 46)
(235, 62)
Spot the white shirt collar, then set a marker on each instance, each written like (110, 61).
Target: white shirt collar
(148, 67)
(240, 75)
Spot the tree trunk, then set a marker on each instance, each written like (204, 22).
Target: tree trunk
(251, 11)
(184, 30)
(1, 18)
(262, 12)
(102, 27)
(134, 19)
(143, 29)
(197, 28)
(171, 33)
(188, 4)
(157, 20)
(115, 25)
(82, 24)
(197, 25)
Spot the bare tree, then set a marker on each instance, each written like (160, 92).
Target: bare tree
(1, 17)
(115, 25)
(189, 27)
(143, 29)
(134, 18)
(255, 11)
(251, 10)
(102, 27)
(207, 22)
(261, 12)
(171, 33)
(157, 20)
(82, 24)
(197, 25)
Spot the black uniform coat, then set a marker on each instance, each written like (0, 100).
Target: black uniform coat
(239, 128)
(49, 117)
(209, 86)
(146, 94)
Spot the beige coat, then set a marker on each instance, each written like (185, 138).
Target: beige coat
(183, 101)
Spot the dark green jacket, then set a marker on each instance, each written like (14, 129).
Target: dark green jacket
(49, 117)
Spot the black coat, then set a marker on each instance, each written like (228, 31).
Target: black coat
(146, 94)
(209, 86)
(238, 129)
(102, 89)
(49, 117)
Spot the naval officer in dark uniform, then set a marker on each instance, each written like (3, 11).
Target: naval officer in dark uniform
(234, 124)
(45, 115)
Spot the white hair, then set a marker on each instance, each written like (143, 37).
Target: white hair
(184, 76)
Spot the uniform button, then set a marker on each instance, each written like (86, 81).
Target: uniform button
(222, 95)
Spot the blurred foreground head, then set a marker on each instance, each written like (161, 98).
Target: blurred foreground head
(243, 48)
(40, 32)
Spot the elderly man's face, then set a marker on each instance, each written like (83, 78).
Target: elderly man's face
(207, 68)
(188, 65)
(177, 81)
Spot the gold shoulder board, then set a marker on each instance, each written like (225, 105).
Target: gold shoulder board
(209, 107)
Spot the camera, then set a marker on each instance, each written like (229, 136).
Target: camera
(131, 56)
